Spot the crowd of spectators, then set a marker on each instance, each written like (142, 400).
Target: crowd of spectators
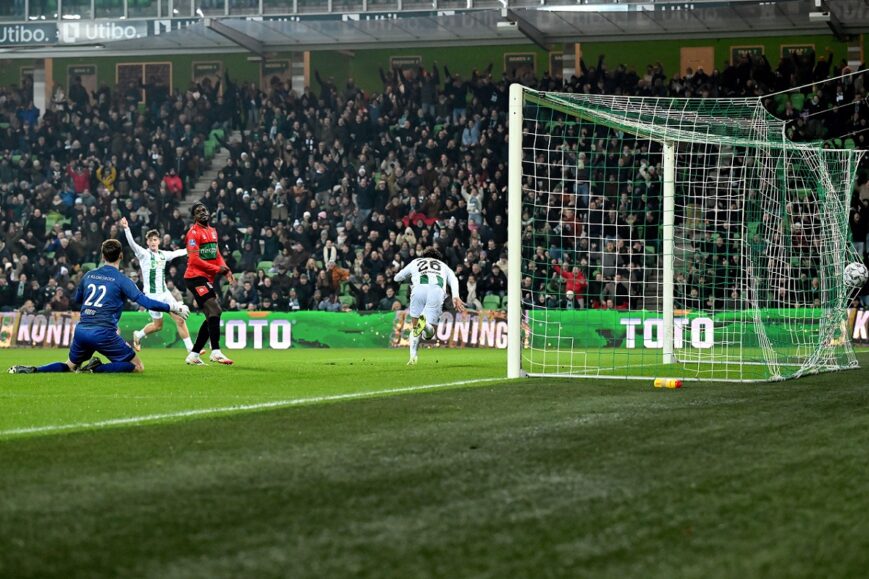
(328, 193)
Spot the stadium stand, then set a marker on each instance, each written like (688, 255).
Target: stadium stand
(326, 194)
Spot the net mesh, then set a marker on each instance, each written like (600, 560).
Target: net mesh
(760, 240)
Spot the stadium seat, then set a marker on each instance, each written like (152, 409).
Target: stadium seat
(492, 302)
(798, 100)
(781, 101)
(52, 218)
(236, 255)
(347, 300)
(88, 265)
(849, 143)
(209, 149)
(265, 265)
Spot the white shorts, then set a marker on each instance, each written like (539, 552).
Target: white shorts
(164, 297)
(427, 299)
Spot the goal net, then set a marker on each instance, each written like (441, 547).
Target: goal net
(660, 237)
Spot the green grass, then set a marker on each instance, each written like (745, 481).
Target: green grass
(168, 386)
(572, 478)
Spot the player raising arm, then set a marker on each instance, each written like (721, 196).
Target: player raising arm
(153, 261)
(102, 294)
(429, 276)
(204, 263)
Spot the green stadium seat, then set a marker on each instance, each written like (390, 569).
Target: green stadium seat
(216, 135)
(87, 266)
(51, 218)
(236, 255)
(492, 302)
(347, 300)
(265, 265)
(209, 149)
(798, 100)
(849, 143)
(781, 101)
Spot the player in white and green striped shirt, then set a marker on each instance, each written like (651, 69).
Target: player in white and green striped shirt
(153, 262)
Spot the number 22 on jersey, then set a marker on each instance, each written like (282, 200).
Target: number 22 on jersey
(95, 291)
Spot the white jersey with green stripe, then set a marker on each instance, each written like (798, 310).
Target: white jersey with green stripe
(153, 264)
(429, 271)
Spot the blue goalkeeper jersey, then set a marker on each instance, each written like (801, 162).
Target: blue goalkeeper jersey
(102, 294)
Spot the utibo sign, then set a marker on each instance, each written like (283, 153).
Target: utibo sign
(71, 32)
(701, 332)
(19, 34)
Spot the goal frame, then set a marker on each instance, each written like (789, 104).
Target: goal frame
(514, 247)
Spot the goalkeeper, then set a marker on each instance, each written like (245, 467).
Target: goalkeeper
(102, 294)
(429, 276)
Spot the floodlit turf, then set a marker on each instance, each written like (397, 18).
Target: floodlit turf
(533, 478)
(50, 402)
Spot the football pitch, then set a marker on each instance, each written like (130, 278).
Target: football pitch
(335, 463)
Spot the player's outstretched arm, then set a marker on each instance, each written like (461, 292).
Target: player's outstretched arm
(172, 255)
(459, 304)
(180, 310)
(137, 249)
(132, 293)
(454, 289)
(404, 273)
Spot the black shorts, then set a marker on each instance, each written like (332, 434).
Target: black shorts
(201, 288)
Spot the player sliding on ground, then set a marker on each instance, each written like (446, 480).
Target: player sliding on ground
(204, 263)
(429, 276)
(153, 262)
(102, 294)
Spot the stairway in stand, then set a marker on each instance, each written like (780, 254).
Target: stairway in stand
(218, 162)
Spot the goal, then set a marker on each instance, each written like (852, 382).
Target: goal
(660, 237)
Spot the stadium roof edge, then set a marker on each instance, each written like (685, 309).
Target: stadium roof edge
(463, 28)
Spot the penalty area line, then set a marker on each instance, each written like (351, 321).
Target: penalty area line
(52, 428)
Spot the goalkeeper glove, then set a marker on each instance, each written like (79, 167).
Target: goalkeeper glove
(180, 310)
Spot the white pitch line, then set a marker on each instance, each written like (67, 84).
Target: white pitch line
(236, 408)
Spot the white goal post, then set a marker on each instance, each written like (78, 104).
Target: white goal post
(663, 237)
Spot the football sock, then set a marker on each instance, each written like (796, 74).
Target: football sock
(114, 368)
(140, 334)
(201, 337)
(54, 367)
(414, 343)
(214, 330)
(188, 343)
